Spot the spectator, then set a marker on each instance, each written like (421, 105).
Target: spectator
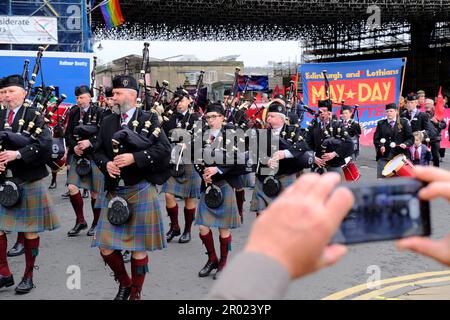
(289, 240)
(439, 186)
(419, 154)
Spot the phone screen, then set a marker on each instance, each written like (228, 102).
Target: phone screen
(385, 210)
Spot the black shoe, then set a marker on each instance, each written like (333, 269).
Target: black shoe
(65, 195)
(185, 237)
(25, 286)
(85, 193)
(6, 281)
(76, 230)
(172, 233)
(17, 250)
(91, 231)
(123, 294)
(209, 266)
(53, 185)
(217, 274)
(126, 256)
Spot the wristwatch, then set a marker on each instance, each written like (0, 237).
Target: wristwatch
(18, 155)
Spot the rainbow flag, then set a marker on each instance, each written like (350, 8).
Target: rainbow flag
(112, 14)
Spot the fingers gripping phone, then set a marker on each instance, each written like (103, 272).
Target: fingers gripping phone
(385, 210)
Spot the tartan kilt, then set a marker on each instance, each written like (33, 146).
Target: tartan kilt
(34, 212)
(248, 180)
(101, 201)
(189, 189)
(260, 200)
(93, 182)
(144, 231)
(226, 216)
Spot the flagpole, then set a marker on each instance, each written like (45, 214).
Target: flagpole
(100, 4)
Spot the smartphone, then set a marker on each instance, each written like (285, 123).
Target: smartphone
(385, 210)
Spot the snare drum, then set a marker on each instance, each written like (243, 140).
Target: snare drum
(350, 170)
(400, 166)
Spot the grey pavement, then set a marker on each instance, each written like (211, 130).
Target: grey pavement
(173, 271)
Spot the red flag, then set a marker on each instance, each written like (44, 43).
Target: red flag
(276, 91)
(283, 92)
(258, 98)
(439, 113)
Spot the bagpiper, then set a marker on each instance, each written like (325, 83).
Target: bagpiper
(282, 153)
(81, 135)
(133, 156)
(328, 139)
(184, 182)
(220, 172)
(25, 206)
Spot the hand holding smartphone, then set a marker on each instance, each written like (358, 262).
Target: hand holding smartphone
(385, 210)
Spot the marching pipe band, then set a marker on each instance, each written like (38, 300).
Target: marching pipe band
(133, 140)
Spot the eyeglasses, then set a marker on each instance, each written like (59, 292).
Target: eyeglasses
(212, 117)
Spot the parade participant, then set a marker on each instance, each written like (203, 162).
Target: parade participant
(329, 139)
(402, 103)
(435, 131)
(419, 154)
(290, 240)
(109, 102)
(288, 152)
(217, 206)
(80, 153)
(417, 119)
(353, 128)
(397, 136)
(32, 213)
(184, 182)
(421, 97)
(140, 169)
(18, 248)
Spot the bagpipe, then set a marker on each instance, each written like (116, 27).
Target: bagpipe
(10, 187)
(84, 132)
(128, 141)
(224, 150)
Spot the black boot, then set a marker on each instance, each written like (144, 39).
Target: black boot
(208, 268)
(123, 293)
(172, 233)
(185, 237)
(17, 250)
(91, 231)
(66, 195)
(25, 286)
(85, 193)
(53, 185)
(6, 281)
(76, 230)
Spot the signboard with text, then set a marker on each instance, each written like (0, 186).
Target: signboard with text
(28, 30)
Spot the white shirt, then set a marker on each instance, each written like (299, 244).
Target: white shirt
(129, 114)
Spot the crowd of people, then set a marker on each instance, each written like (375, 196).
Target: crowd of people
(121, 149)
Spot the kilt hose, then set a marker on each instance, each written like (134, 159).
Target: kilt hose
(226, 216)
(144, 231)
(186, 186)
(92, 182)
(33, 213)
(260, 200)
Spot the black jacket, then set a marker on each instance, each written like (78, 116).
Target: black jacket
(353, 128)
(290, 139)
(435, 129)
(31, 167)
(399, 136)
(94, 114)
(232, 169)
(150, 164)
(420, 122)
(315, 137)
